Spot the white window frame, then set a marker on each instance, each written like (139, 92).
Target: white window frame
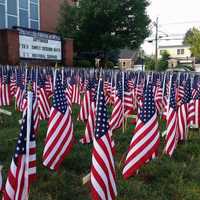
(17, 16)
(5, 4)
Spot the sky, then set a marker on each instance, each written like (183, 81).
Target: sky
(175, 18)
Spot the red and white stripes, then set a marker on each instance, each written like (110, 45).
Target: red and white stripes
(59, 139)
(144, 144)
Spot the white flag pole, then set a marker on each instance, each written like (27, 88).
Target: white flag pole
(123, 109)
(29, 115)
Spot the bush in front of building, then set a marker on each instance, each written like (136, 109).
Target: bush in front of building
(84, 63)
(149, 63)
(109, 64)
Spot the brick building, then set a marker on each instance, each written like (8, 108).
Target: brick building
(41, 15)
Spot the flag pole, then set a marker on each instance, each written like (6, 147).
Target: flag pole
(87, 178)
(123, 127)
(36, 82)
(15, 89)
(167, 111)
(63, 75)
(29, 115)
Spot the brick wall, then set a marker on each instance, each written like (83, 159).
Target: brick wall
(68, 52)
(49, 14)
(9, 47)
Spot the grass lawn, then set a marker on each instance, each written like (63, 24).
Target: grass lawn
(176, 178)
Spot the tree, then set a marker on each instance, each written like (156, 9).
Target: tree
(163, 62)
(103, 25)
(192, 38)
(149, 63)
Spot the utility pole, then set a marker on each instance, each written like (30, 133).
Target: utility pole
(156, 46)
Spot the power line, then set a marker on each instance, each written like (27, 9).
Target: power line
(183, 22)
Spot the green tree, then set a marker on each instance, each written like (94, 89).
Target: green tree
(149, 63)
(104, 25)
(163, 62)
(192, 38)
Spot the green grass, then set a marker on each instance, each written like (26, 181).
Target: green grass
(176, 178)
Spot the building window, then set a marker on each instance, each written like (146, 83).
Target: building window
(2, 16)
(23, 17)
(12, 7)
(12, 21)
(23, 13)
(180, 51)
(34, 1)
(34, 25)
(34, 11)
(23, 4)
(124, 64)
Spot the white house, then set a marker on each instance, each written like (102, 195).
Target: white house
(179, 55)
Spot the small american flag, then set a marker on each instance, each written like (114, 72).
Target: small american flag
(117, 113)
(5, 98)
(86, 103)
(102, 171)
(145, 141)
(43, 102)
(15, 184)
(128, 98)
(171, 136)
(184, 111)
(60, 138)
(20, 91)
(197, 107)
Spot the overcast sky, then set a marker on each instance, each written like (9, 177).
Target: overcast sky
(175, 18)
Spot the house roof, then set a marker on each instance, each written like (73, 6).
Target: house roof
(173, 46)
(127, 54)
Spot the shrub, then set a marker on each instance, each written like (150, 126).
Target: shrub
(84, 63)
(109, 64)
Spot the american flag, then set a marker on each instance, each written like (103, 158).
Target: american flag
(171, 136)
(5, 97)
(74, 91)
(19, 95)
(13, 85)
(43, 102)
(60, 138)
(145, 141)
(36, 114)
(117, 113)
(185, 111)
(165, 96)
(107, 89)
(128, 98)
(195, 86)
(103, 177)
(15, 184)
(197, 108)
(68, 94)
(191, 108)
(49, 85)
(180, 88)
(131, 84)
(24, 106)
(159, 97)
(90, 126)
(113, 91)
(86, 103)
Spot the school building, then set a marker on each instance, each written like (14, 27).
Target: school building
(28, 32)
